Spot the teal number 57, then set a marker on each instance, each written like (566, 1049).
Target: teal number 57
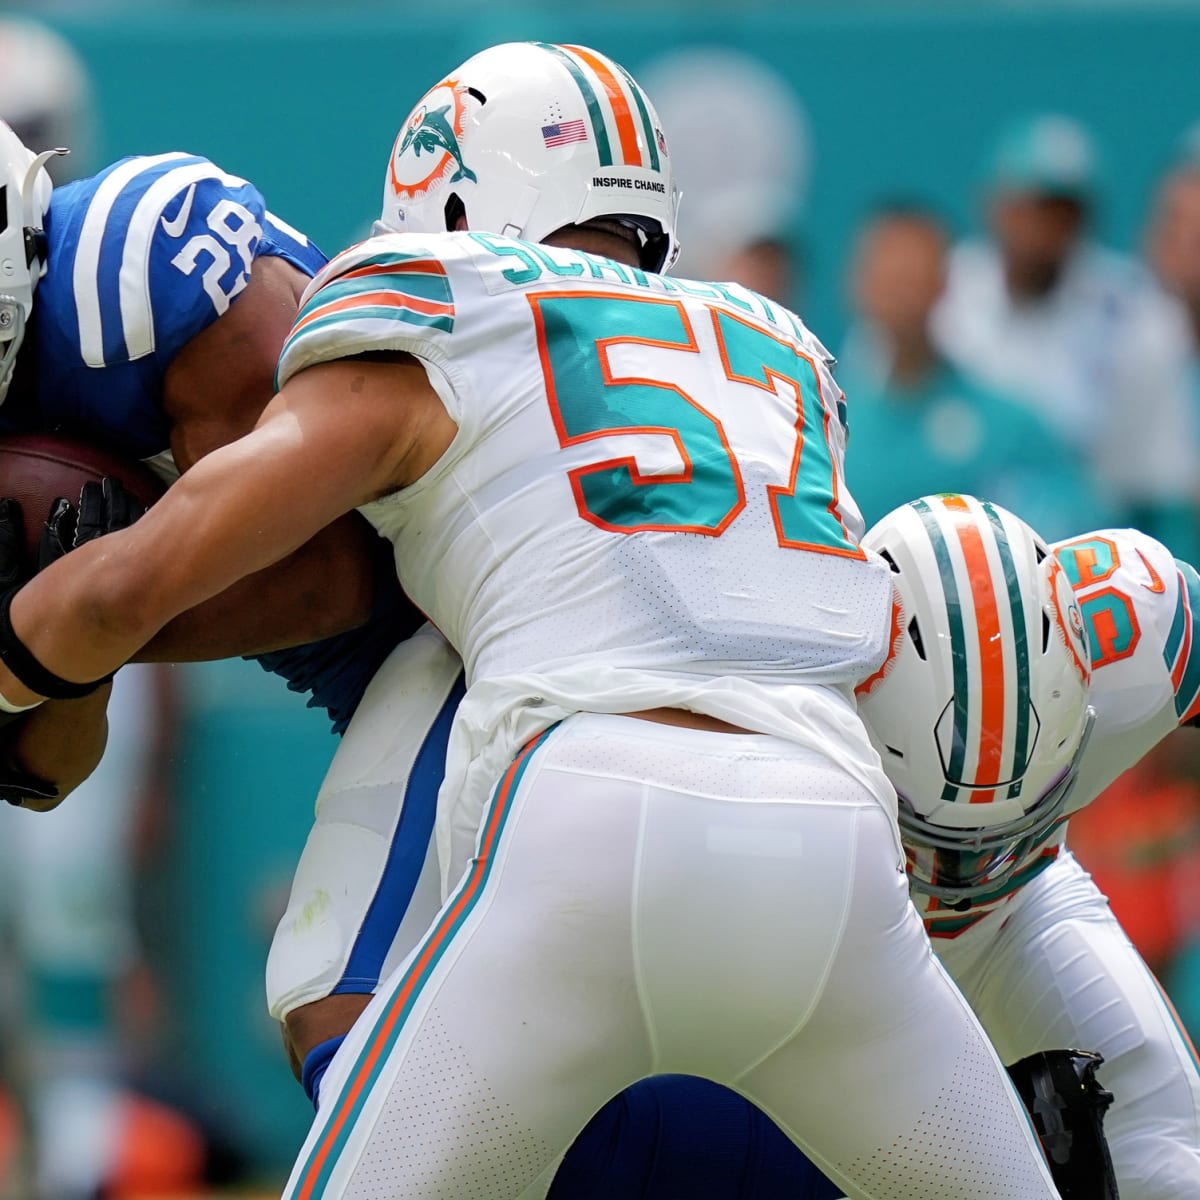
(590, 402)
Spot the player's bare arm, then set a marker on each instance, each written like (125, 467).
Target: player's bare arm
(336, 437)
(214, 393)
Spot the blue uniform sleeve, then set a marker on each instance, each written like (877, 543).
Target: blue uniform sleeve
(142, 258)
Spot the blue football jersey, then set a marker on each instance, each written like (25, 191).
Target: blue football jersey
(142, 258)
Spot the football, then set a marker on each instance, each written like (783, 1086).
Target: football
(37, 468)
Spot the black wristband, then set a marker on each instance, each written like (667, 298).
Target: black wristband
(18, 658)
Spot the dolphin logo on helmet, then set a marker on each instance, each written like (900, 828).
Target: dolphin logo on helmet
(428, 151)
(493, 112)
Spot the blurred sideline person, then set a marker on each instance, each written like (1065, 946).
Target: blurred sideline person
(46, 94)
(1173, 252)
(613, 700)
(68, 877)
(919, 423)
(1042, 311)
(744, 202)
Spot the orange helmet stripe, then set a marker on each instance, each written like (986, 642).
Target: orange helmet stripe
(991, 650)
(626, 129)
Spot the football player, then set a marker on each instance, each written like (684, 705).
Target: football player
(164, 290)
(1002, 708)
(642, 769)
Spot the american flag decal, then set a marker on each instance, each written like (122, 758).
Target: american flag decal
(564, 132)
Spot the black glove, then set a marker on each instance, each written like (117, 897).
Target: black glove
(104, 507)
(13, 568)
(1067, 1105)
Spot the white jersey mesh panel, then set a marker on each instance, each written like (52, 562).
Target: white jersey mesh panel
(442, 1132)
(928, 1152)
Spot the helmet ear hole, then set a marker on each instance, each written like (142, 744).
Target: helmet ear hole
(1045, 631)
(886, 555)
(914, 632)
(36, 246)
(456, 212)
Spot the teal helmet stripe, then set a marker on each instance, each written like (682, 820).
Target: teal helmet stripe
(1020, 649)
(1178, 625)
(644, 113)
(1175, 637)
(1189, 675)
(595, 112)
(941, 552)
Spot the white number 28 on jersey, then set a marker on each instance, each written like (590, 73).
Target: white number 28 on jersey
(234, 231)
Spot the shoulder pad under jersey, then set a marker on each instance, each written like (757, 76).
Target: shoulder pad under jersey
(1138, 605)
(387, 293)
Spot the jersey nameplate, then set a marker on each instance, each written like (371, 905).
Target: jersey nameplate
(511, 265)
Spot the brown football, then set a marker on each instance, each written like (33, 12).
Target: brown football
(37, 468)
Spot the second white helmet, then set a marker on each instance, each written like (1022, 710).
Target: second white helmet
(980, 713)
(528, 137)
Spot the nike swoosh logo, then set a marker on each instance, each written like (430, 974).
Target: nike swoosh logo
(1156, 584)
(174, 228)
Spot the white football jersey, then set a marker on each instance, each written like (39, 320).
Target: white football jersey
(1138, 605)
(645, 502)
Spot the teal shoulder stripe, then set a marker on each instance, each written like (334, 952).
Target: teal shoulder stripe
(390, 1023)
(424, 285)
(372, 312)
(1189, 682)
(382, 258)
(647, 124)
(958, 749)
(589, 98)
(1020, 650)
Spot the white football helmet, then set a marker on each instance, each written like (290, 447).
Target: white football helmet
(24, 201)
(526, 138)
(980, 712)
